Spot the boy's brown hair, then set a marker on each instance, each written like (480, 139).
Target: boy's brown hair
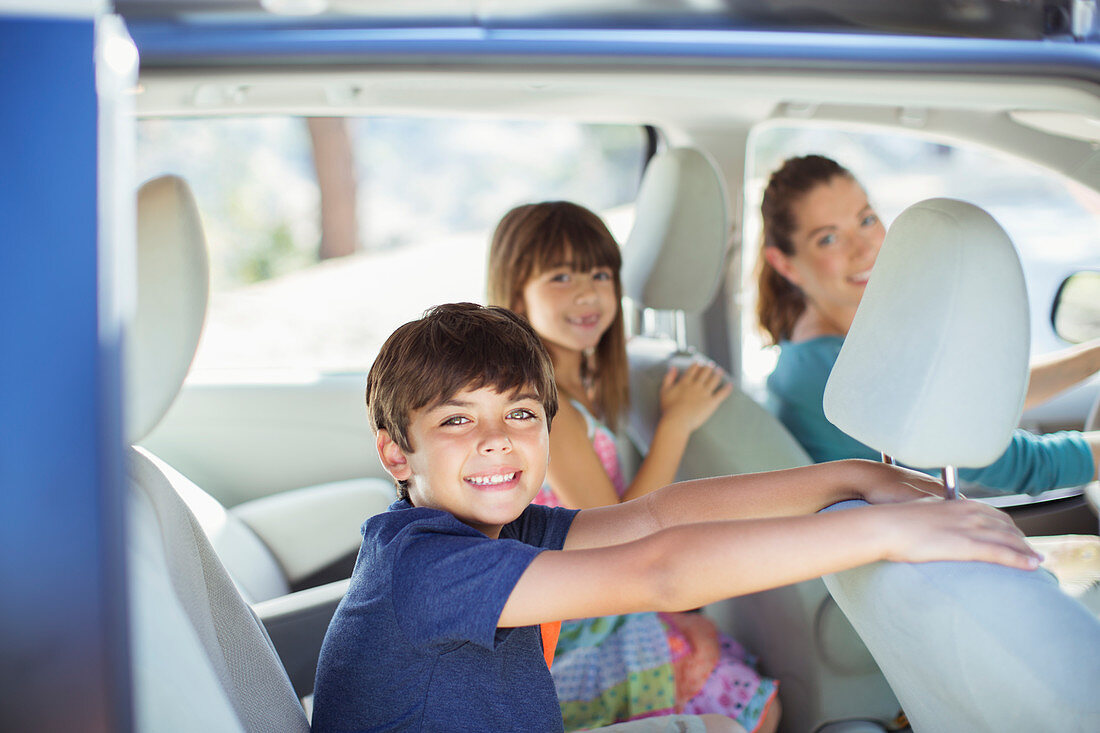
(454, 347)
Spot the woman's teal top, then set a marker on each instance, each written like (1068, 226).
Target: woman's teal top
(1032, 464)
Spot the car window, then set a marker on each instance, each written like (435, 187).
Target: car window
(420, 198)
(1051, 220)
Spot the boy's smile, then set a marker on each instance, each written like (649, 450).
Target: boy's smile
(480, 456)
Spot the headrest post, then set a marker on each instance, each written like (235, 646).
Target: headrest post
(889, 460)
(680, 330)
(950, 476)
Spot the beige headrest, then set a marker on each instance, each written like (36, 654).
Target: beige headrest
(934, 369)
(674, 256)
(172, 288)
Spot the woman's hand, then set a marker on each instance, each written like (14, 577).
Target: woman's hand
(688, 399)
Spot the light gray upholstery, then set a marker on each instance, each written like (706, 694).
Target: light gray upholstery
(258, 576)
(269, 544)
(934, 368)
(201, 660)
(172, 288)
(977, 648)
(306, 528)
(969, 647)
(675, 258)
(740, 437)
(682, 201)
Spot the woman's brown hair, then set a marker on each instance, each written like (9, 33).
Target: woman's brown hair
(779, 302)
(534, 238)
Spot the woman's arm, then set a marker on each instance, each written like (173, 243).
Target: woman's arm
(1093, 439)
(1056, 372)
(749, 496)
(687, 566)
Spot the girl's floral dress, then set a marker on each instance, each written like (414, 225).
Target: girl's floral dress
(617, 668)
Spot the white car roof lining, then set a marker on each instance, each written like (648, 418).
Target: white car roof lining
(1053, 122)
(620, 95)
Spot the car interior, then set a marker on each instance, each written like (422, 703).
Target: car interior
(674, 260)
(246, 491)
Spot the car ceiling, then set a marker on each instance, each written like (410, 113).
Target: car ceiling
(1039, 100)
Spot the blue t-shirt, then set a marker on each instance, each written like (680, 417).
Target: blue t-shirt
(1032, 464)
(414, 644)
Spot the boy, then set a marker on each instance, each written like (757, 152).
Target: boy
(438, 630)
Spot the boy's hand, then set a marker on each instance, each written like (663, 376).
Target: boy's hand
(881, 483)
(932, 529)
(688, 399)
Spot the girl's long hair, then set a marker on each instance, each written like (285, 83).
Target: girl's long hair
(534, 238)
(779, 302)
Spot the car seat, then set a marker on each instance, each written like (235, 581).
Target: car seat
(933, 372)
(200, 658)
(171, 303)
(269, 545)
(674, 260)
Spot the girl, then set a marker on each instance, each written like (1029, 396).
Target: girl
(556, 264)
(821, 238)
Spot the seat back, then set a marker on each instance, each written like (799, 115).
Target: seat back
(977, 648)
(933, 372)
(674, 260)
(201, 660)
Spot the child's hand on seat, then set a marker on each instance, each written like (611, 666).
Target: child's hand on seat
(932, 529)
(689, 398)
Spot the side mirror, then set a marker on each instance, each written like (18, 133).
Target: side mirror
(1076, 310)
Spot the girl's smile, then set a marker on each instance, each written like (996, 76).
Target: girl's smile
(587, 321)
(571, 310)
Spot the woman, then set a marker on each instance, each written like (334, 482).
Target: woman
(821, 238)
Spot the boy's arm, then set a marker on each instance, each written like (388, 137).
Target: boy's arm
(687, 566)
(749, 496)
